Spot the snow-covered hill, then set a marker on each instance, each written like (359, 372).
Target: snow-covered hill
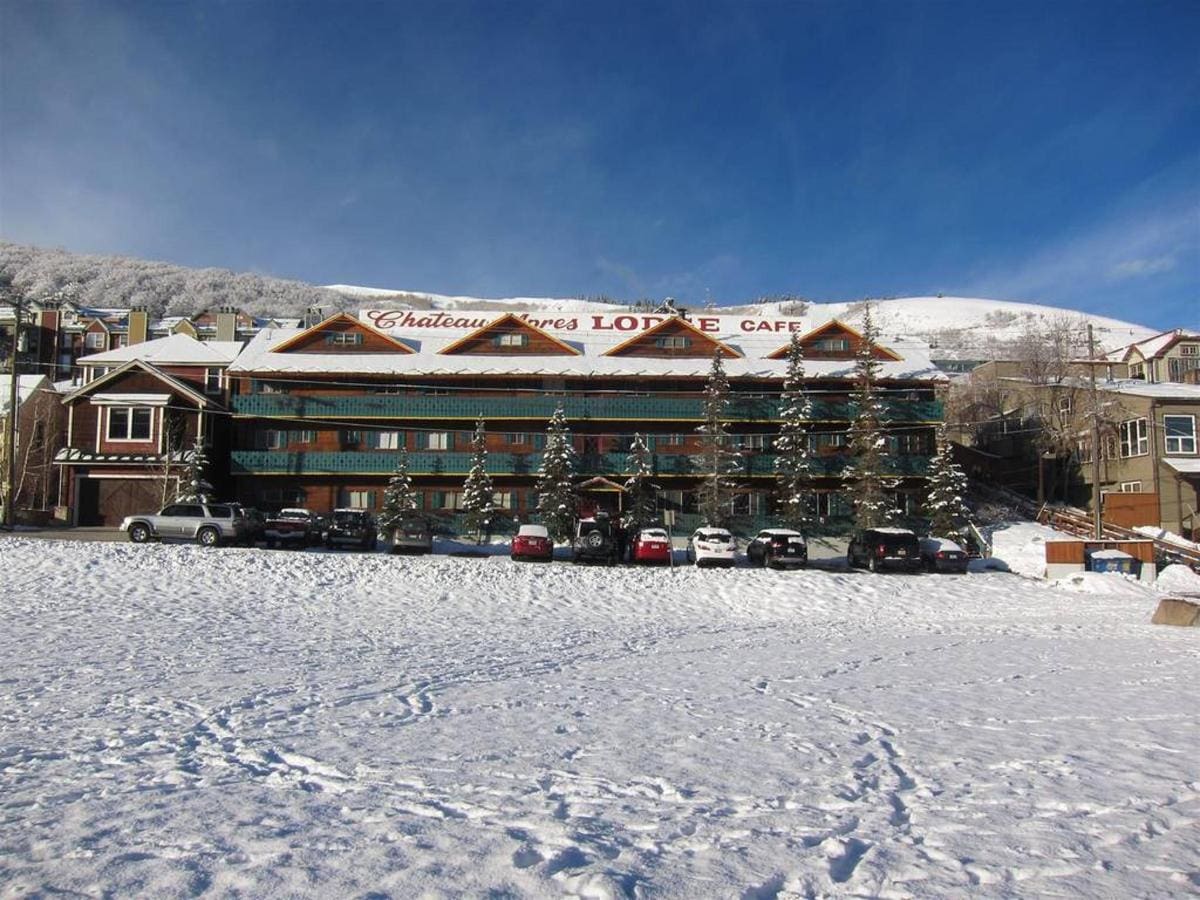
(958, 327)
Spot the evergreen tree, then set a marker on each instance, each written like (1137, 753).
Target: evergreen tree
(399, 497)
(793, 463)
(716, 459)
(640, 506)
(192, 486)
(478, 499)
(556, 489)
(864, 477)
(947, 487)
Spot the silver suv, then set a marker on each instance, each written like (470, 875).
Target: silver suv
(208, 524)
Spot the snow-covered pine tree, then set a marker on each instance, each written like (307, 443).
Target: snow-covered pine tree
(192, 486)
(557, 502)
(399, 497)
(864, 477)
(716, 460)
(478, 500)
(640, 506)
(947, 487)
(793, 462)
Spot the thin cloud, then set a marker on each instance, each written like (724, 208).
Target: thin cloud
(1139, 268)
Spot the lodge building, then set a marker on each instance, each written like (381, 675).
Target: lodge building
(319, 413)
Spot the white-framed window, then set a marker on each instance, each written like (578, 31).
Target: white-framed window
(1138, 371)
(502, 500)
(517, 438)
(130, 423)
(360, 499)
(674, 440)
(1064, 405)
(1135, 438)
(1180, 434)
(1131, 487)
(212, 381)
(755, 442)
(833, 345)
(1083, 450)
(519, 339)
(94, 340)
(389, 440)
(1189, 349)
(305, 436)
(1178, 367)
(673, 342)
(344, 338)
(438, 440)
(447, 499)
(274, 439)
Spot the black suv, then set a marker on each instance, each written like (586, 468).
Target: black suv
(884, 548)
(596, 541)
(351, 527)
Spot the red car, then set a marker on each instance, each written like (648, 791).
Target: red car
(533, 542)
(652, 545)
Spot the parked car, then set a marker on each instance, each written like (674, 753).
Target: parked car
(885, 548)
(293, 527)
(778, 548)
(595, 541)
(532, 542)
(651, 545)
(351, 527)
(412, 534)
(712, 547)
(256, 523)
(208, 524)
(943, 555)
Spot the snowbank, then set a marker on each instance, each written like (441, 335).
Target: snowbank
(176, 722)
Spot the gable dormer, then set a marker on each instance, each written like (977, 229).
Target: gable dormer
(835, 340)
(97, 337)
(673, 338)
(184, 326)
(341, 333)
(510, 335)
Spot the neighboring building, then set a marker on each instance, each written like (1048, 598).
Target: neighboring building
(1173, 356)
(1149, 456)
(40, 421)
(320, 412)
(134, 422)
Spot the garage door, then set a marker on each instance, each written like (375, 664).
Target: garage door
(106, 501)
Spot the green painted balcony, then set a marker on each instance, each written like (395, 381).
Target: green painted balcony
(755, 408)
(382, 462)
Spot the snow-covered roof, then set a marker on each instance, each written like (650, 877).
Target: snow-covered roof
(27, 385)
(1158, 389)
(176, 349)
(1183, 466)
(1152, 346)
(259, 358)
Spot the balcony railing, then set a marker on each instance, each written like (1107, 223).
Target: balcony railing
(539, 408)
(750, 465)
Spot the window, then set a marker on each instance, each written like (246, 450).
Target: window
(673, 342)
(1064, 406)
(674, 440)
(1138, 371)
(1083, 450)
(344, 339)
(1134, 438)
(212, 381)
(1131, 487)
(275, 440)
(502, 499)
(512, 340)
(1178, 368)
(351, 438)
(833, 345)
(828, 441)
(447, 499)
(94, 340)
(360, 499)
(517, 438)
(1189, 349)
(753, 442)
(389, 440)
(304, 437)
(438, 440)
(1180, 433)
(266, 387)
(129, 423)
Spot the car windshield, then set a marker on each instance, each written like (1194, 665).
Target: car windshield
(715, 536)
(293, 514)
(654, 534)
(533, 531)
(348, 518)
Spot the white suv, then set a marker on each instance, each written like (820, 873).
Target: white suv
(709, 546)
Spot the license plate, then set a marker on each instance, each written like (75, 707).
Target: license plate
(902, 553)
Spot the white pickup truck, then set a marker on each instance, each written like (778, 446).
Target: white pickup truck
(208, 524)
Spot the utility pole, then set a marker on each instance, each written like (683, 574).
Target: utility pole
(1097, 524)
(10, 446)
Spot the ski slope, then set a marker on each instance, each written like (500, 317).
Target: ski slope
(246, 722)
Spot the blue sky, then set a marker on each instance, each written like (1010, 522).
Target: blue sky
(1046, 152)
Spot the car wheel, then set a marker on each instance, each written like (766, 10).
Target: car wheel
(139, 533)
(207, 537)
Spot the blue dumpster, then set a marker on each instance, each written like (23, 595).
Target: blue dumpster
(1112, 561)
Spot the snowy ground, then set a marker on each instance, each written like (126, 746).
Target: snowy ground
(177, 722)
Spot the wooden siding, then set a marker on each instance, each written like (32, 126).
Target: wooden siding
(315, 340)
(485, 341)
(1075, 552)
(1130, 510)
(701, 346)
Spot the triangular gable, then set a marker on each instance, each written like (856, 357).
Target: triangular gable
(834, 330)
(510, 335)
(341, 333)
(600, 483)
(184, 326)
(98, 325)
(134, 367)
(673, 338)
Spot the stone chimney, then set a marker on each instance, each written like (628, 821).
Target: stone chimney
(139, 325)
(227, 323)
